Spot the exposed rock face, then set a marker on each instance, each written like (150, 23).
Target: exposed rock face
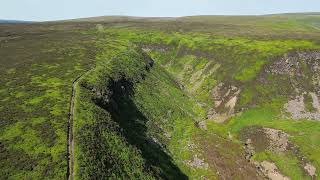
(270, 170)
(288, 65)
(259, 139)
(249, 149)
(296, 107)
(225, 98)
(203, 125)
(315, 101)
(196, 162)
(311, 170)
(291, 63)
(278, 140)
(301, 68)
(200, 76)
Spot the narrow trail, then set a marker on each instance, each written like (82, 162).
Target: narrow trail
(70, 141)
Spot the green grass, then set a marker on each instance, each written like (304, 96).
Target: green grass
(161, 103)
(304, 133)
(287, 163)
(241, 64)
(36, 86)
(138, 119)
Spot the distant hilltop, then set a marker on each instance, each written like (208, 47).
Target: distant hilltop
(13, 21)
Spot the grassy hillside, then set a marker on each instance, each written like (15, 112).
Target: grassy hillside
(278, 26)
(37, 70)
(13, 22)
(217, 97)
(149, 122)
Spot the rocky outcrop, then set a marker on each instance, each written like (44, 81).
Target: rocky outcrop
(271, 171)
(197, 162)
(302, 69)
(297, 107)
(225, 98)
(260, 139)
(292, 63)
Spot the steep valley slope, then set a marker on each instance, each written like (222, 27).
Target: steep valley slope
(158, 99)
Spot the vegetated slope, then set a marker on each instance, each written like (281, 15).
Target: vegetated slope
(134, 120)
(257, 91)
(278, 26)
(117, 136)
(164, 98)
(227, 85)
(37, 70)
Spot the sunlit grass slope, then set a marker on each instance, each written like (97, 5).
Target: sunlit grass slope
(199, 62)
(37, 70)
(141, 110)
(124, 110)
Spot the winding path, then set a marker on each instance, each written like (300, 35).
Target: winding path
(70, 142)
